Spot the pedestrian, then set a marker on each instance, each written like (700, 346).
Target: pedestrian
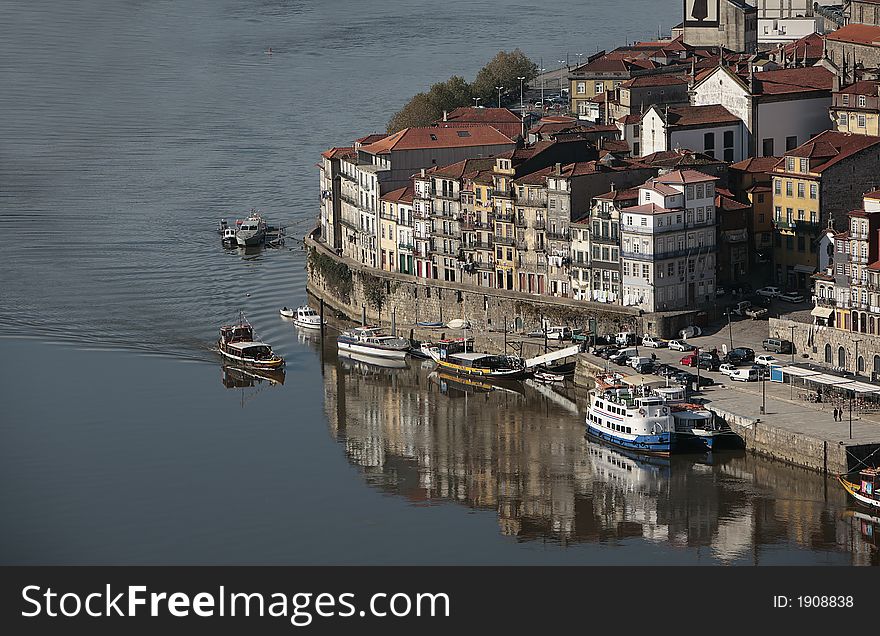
(836, 411)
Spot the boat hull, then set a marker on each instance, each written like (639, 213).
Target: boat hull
(662, 444)
(249, 240)
(376, 352)
(853, 490)
(275, 363)
(717, 440)
(483, 374)
(306, 325)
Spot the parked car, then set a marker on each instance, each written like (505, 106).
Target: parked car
(770, 292)
(740, 308)
(740, 355)
(607, 352)
(665, 370)
(766, 360)
(680, 345)
(727, 368)
(791, 297)
(644, 367)
(777, 345)
(756, 313)
(690, 360)
(626, 338)
(651, 341)
(686, 377)
(708, 361)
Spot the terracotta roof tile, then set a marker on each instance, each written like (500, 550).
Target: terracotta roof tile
(756, 164)
(647, 208)
(336, 152)
(685, 176)
(645, 81)
(432, 137)
(401, 195)
(630, 194)
(863, 87)
(829, 148)
(687, 116)
(856, 34)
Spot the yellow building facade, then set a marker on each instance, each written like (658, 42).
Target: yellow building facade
(796, 219)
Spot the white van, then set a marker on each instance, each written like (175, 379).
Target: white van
(628, 353)
(625, 338)
(637, 360)
(745, 375)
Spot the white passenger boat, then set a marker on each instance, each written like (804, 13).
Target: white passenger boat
(632, 419)
(307, 318)
(237, 344)
(372, 341)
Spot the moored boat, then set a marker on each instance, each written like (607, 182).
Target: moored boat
(485, 366)
(452, 345)
(866, 490)
(630, 419)
(307, 318)
(237, 344)
(229, 237)
(252, 231)
(372, 341)
(695, 425)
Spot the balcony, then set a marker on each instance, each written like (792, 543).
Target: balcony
(405, 246)
(556, 235)
(504, 240)
(824, 302)
(480, 245)
(450, 233)
(520, 222)
(540, 224)
(485, 265)
(506, 217)
(533, 202)
(522, 245)
(797, 225)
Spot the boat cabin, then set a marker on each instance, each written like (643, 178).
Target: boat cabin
(236, 333)
(251, 350)
(485, 361)
(869, 483)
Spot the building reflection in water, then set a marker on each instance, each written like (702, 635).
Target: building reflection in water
(520, 450)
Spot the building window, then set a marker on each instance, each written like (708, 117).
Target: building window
(728, 139)
(600, 88)
(800, 189)
(863, 102)
(805, 165)
(845, 99)
(777, 186)
(709, 141)
(814, 190)
(789, 164)
(581, 88)
(842, 120)
(790, 143)
(767, 147)
(862, 122)
(788, 188)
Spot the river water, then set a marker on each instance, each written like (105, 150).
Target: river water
(127, 129)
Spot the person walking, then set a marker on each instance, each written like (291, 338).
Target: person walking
(836, 412)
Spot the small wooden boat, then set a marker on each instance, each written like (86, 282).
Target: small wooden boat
(431, 325)
(864, 492)
(453, 345)
(548, 377)
(458, 323)
(237, 344)
(287, 313)
(485, 366)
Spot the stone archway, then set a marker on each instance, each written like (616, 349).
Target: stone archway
(829, 356)
(841, 357)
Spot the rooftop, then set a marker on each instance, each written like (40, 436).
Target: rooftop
(856, 34)
(755, 164)
(433, 137)
(829, 148)
(684, 177)
(863, 87)
(687, 116)
(401, 195)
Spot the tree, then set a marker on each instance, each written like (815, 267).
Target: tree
(426, 108)
(503, 70)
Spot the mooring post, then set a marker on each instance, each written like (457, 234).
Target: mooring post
(322, 321)
(505, 336)
(394, 321)
(363, 315)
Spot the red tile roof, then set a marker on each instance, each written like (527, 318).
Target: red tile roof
(688, 116)
(336, 151)
(660, 188)
(645, 81)
(630, 119)
(829, 148)
(755, 164)
(864, 87)
(648, 208)
(875, 194)
(813, 44)
(432, 137)
(401, 195)
(629, 194)
(462, 168)
(794, 80)
(369, 139)
(857, 34)
(685, 176)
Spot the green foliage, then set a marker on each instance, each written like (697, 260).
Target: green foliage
(503, 70)
(426, 108)
(374, 292)
(336, 274)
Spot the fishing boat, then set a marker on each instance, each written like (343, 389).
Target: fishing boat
(286, 312)
(252, 231)
(237, 344)
(630, 418)
(866, 490)
(372, 341)
(549, 377)
(485, 366)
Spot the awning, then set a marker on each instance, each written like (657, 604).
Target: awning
(822, 312)
(799, 372)
(831, 380)
(805, 269)
(862, 387)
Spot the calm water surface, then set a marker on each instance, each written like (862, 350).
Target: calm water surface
(127, 129)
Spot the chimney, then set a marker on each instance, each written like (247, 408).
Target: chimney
(423, 172)
(558, 168)
(445, 116)
(612, 189)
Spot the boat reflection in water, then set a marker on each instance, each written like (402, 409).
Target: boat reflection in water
(522, 457)
(237, 377)
(364, 362)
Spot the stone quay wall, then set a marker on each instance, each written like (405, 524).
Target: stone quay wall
(353, 290)
(785, 445)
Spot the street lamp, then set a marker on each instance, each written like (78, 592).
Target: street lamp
(792, 343)
(560, 75)
(730, 328)
(542, 87)
(579, 56)
(476, 100)
(499, 89)
(522, 107)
